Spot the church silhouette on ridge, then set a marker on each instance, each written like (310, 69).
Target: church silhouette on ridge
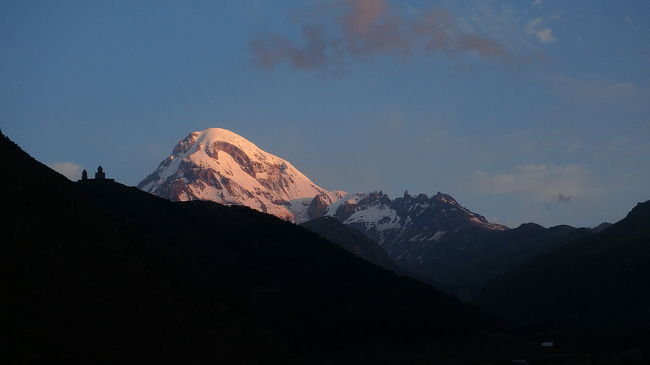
(99, 175)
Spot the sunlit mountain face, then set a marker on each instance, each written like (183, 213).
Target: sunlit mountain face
(218, 165)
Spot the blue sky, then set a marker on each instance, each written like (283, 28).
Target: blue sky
(521, 110)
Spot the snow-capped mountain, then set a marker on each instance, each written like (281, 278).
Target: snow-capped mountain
(434, 237)
(218, 165)
(418, 232)
(407, 226)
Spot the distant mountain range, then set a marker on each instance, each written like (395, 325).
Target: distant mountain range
(434, 238)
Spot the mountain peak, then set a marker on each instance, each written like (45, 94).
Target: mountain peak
(640, 210)
(219, 165)
(219, 133)
(211, 135)
(445, 198)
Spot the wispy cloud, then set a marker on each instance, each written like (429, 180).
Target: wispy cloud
(362, 29)
(543, 183)
(544, 141)
(638, 28)
(614, 91)
(68, 169)
(629, 145)
(543, 34)
(598, 91)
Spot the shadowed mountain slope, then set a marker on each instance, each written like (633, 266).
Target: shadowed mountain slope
(438, 239)
(79, 287)
(598, 283)
(352, 240)
(472, 258)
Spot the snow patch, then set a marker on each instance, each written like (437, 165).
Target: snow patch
(380, 217)
(437, 236)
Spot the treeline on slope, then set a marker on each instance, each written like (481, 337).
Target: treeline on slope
(96, 272)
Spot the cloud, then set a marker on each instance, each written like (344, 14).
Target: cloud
(638, 28)
(544, 141)
(543, 183)
(70, 170)
(361, 29)
(363, 14)
(620, 91)
(628, 145)
(615, 91)
(543, 34)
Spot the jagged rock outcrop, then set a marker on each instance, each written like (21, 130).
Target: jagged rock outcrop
(409, 226)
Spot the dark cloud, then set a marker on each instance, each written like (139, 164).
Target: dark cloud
(361, 29)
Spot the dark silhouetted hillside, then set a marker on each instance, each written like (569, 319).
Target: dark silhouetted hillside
(471, 258)
(97, 272)
(352, 240)
(598, 284)
(79, 287)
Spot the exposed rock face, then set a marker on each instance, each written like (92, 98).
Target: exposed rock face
(438, 239)
(408, 227)
(318, 206)
(221, 166)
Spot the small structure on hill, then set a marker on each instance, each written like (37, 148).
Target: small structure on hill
(99, 175)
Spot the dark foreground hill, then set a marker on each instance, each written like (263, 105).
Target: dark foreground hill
(97, 272)
(352, 240)
(79, 287)
(598, 286)
(471, 258)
